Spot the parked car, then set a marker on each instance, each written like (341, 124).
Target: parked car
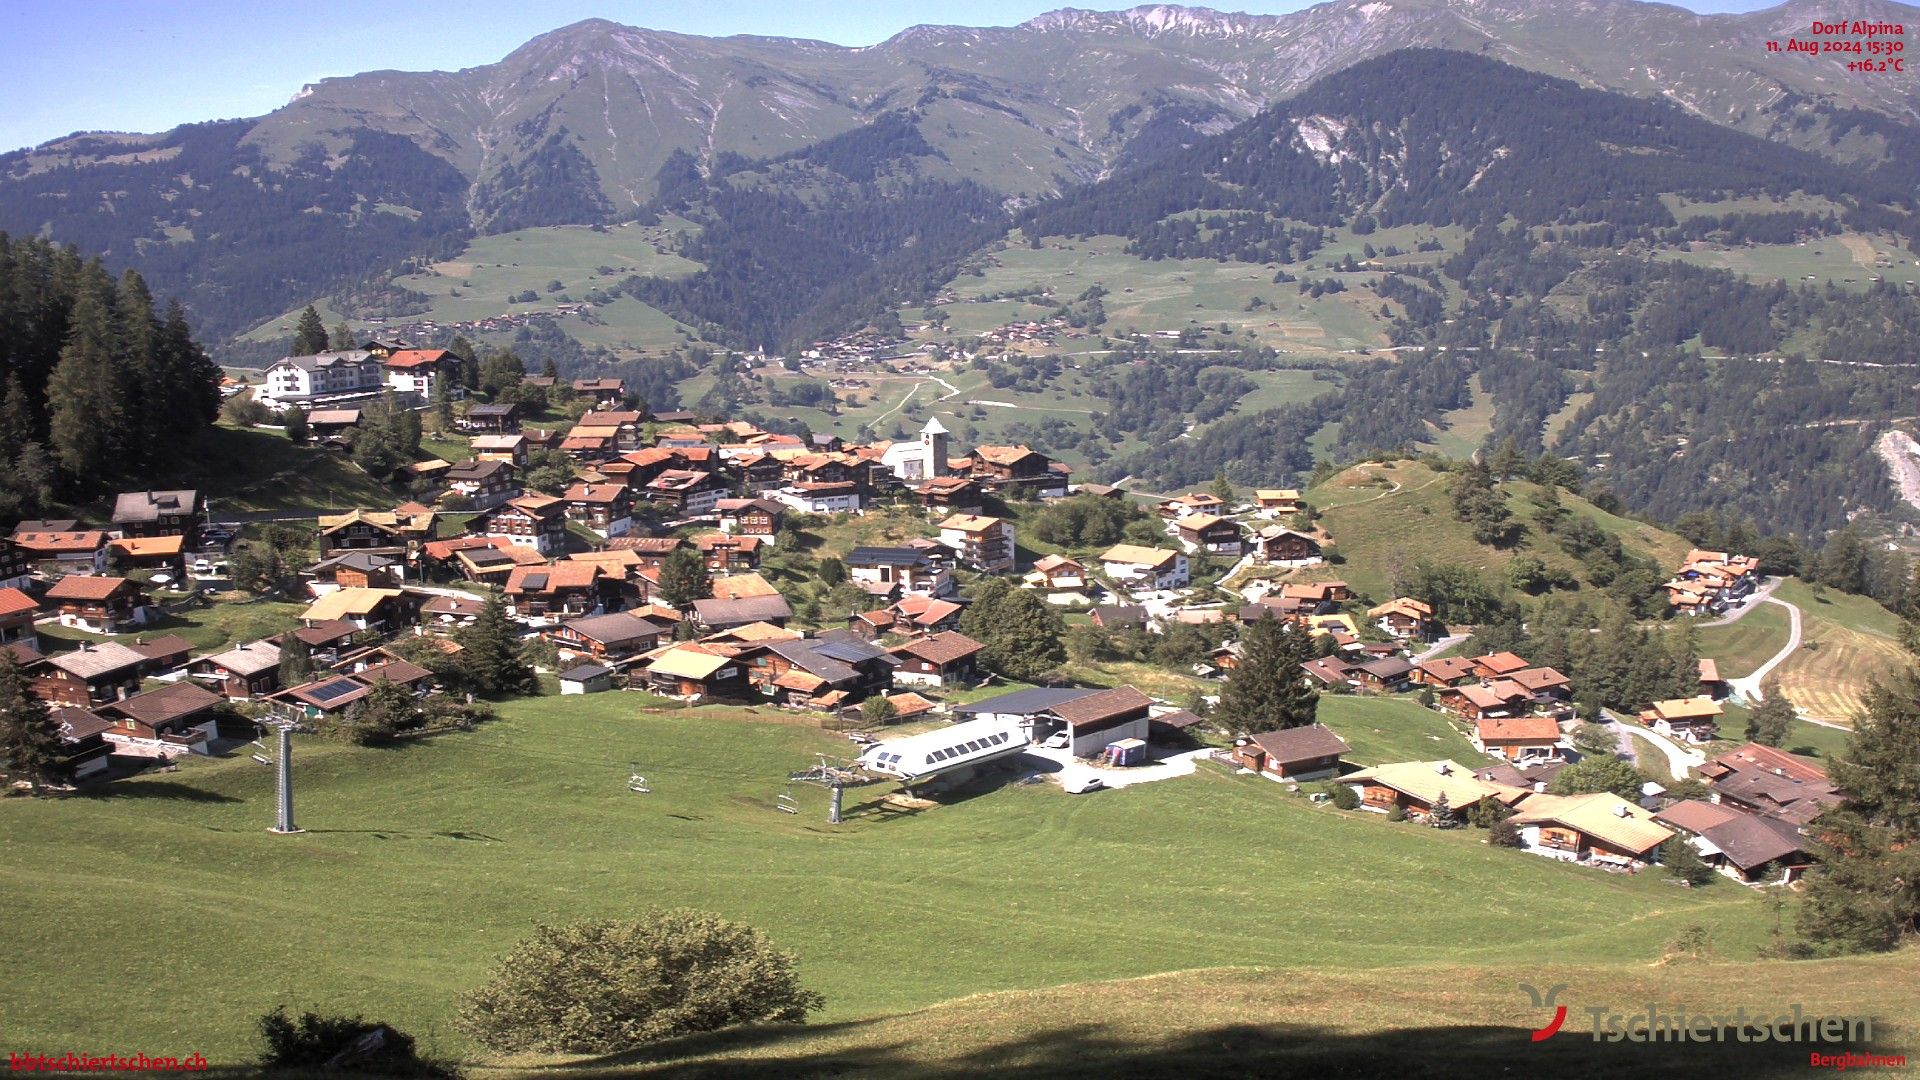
(1091, 783)
(1059, 740)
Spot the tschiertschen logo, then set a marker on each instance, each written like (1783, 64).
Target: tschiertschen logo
(1547, 1002)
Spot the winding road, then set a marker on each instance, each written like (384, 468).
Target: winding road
(1748, 686)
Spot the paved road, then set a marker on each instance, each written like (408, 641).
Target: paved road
(1748, 687)
(1679, 759)
(1752, 601)
(1438, 647)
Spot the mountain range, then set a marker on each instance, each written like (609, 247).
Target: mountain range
(588, 123)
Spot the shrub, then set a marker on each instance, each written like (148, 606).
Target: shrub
(606, 986)
(342, 1042)
(1398, 813)
(1345, 797)
(1503, 833)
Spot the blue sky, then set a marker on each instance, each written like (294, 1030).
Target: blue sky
(147, 65)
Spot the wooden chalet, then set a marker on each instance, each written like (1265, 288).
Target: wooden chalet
(1274, 545)
(727, 553)
(18, 610)
(1695, 719)
(174, 719)
(1279, 500)
(484, 482)
(1405, 617)
(92, 673)
(614, 640)
(1521, 739)
(1600, 828)
(1415, 786)
(160, 513)
(1213, 535)
(696, 672)
(1294, 755)
(1444, 672)
(241, 673)
(750, 517)
(538, 522)
(563, 590)
(102, 605)
(605, 508)
(944, 659)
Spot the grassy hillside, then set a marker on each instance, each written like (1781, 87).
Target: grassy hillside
(1382, 515)
(1846, 643)
(1743, 646)
(1408, 1022)
(482, 281)
(442, 854)
(1152, 295)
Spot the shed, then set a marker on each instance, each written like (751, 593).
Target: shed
(586, 679)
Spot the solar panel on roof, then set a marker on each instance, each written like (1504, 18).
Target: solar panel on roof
(535, 581)
(329, 691)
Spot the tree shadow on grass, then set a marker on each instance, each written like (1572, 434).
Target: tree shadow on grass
(152, 789)
(1266, 1050)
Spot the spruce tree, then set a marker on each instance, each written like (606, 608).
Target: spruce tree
(30, 745)
(1769, 722)
(310, 335)
(1866, 894)
(489, 657)
(1268, 691)
(683, 579)
(296, 660)
(83, 392)
(342, 337)
(189, 379)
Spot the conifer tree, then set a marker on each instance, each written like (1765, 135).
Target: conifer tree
(1769, 723)
(1268, 691)
(310, 335)
(488, 657)
(83, 390)
(1866, 894)
(683, 579)
(296, 660)
(30, 746)
(342, 337)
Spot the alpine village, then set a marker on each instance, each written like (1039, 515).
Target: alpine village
(1235, 599)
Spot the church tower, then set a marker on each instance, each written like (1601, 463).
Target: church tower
(933, 438)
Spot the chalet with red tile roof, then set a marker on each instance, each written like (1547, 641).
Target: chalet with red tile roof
(1444, 672)
(102, 605)
(606, 508)
(1763, 780)
(983, 543)
(1056, 573)
(1496, 698)
(564, 590)
(422, 372)
(17, 612)
(1524, 740)
(1496, 665)
(1200, 502)
(73, 550)
(722, 553)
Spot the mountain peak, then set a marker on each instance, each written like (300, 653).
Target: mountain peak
(1150, 20)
